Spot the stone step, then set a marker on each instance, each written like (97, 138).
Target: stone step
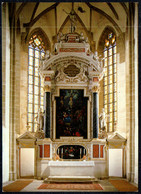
(70, 179)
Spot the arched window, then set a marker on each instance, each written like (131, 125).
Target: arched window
(36, 49)
(109, 82)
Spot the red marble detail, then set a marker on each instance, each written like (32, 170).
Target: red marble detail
(47, 151)
(101, 151)
(95, 79)
(41, 150)
(95, 151)
(72, 39)
(72, 50)
(47, 79)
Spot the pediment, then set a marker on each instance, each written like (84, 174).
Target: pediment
(26, 136)
(116, 137)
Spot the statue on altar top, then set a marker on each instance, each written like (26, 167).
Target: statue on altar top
(72, 19)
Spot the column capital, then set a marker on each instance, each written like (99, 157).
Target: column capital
(96, 89)
(47, 88)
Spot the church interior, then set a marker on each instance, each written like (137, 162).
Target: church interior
(70, 95)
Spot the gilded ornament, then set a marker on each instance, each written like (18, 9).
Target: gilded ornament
(95, 89)
(47, 88)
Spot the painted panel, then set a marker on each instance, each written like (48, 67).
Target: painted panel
(71, 113)
(71, 151)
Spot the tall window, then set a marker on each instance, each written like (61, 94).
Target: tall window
(110, 86)
(36, 50)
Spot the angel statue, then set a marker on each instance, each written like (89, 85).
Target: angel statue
(40, 120)
(96, 57)
(103, 119)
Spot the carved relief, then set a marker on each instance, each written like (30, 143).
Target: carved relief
(27, 144)
(71, 70)
(68, 72)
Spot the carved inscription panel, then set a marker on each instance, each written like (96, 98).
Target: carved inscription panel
(71, 70)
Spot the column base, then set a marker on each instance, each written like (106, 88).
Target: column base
(12, 176)
(131, 177)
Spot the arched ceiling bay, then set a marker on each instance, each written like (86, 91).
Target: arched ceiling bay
(42, 7)
(30, 13)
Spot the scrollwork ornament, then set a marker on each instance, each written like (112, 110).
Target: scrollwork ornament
(53, 89)
(62, 77)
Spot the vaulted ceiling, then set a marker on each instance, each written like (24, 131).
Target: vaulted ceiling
(89, 15)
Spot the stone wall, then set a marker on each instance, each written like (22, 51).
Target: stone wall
(5, 91)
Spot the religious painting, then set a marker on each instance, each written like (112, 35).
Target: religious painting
(71, 151)
(71, 113)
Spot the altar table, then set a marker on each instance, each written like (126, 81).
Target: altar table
(73, 171)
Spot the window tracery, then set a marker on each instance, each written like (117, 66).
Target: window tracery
(110, 79)
(36, 50)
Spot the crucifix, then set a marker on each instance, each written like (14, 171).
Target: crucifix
(72, 16)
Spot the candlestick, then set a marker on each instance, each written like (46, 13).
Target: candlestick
(80, 152)
(62, 153)
(84, 151)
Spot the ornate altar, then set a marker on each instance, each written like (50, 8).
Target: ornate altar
(68, 135)
(71, 125)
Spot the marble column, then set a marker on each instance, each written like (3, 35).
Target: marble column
(47, 114)
(95, 115)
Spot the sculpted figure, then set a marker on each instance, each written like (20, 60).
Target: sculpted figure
(72, 19)
(103, 119)
(82, 39)
(47, 55)
(61, 37)
(95, 56)
(40, 120)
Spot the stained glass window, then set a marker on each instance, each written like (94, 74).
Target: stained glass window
(36, 49)
(110, 79)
